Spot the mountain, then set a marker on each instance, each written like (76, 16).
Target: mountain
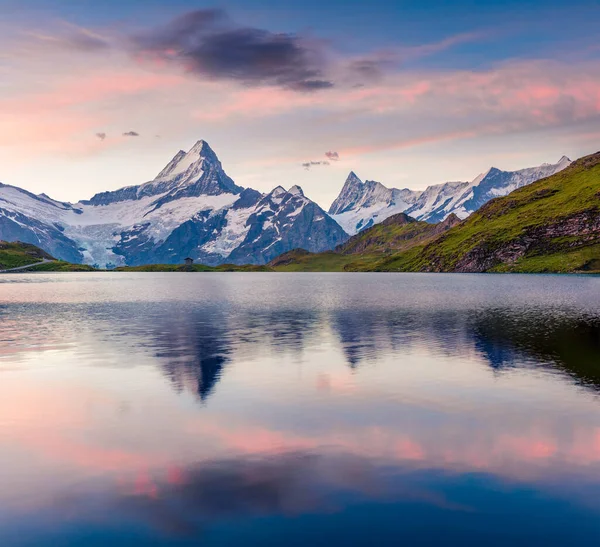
(360, 205)
(552, 225)
(192, 208)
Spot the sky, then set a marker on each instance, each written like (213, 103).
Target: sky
(99, 95)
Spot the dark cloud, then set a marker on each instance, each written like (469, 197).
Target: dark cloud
(101, 136)
(333, 156)
(131, 134)
(209, 45)
(371, 68)
(213, 491)
(367, 69)
(307, 165)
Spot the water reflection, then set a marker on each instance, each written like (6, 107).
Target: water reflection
(193, 344)
(248, 409)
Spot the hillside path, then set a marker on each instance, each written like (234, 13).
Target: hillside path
(27, 266)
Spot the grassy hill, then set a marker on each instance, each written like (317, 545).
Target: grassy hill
(396, 234)
(17, 254)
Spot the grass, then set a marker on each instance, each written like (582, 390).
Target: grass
(310, 262)
(60, 266)
(585, 260)
(395, 234)
(300, 260)
(17, 254)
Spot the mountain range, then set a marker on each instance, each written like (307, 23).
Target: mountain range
(194, 209)
(360, 205)
(191, 209)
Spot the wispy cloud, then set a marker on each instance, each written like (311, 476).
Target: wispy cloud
(74, 38)
(131, 134)
(101, 136)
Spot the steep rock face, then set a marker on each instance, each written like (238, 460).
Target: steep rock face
(560, 236)
(192, 208)
(361, 205)
(349, 196)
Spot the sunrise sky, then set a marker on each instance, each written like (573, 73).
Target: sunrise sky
(99, 95)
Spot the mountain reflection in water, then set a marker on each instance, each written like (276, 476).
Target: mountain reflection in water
(322, 409)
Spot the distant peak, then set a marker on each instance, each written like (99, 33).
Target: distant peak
(564, 159)
(353, 178)
(278, 191)
(296, 190)
(201, 147)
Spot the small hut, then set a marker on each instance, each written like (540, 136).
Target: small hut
(189, 261)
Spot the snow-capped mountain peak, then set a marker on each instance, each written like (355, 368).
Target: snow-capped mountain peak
(362, 204)
(349, 195)
(193, 173)
(191, 164)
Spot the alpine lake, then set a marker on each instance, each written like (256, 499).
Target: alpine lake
(262, 409)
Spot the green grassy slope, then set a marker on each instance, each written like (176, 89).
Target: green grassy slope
(300, 260)
(552, 225)
(14, 255)
(60, 266)
(395, 234)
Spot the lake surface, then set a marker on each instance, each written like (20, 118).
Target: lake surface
(299, 409)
